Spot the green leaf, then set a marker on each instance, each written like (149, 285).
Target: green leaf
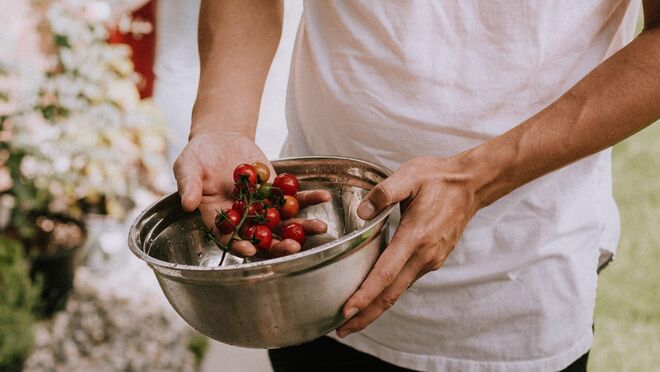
(62, 41)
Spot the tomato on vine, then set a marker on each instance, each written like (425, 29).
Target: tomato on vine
(290, 207)
(259, 208)
(245, 175)
(263, 173)
(287, 183)
(294, 231)
(272, 218)
(262, 237)
(227, 221)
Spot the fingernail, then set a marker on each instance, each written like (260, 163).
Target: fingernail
(366, 209)
(351, 312)
(342, 333)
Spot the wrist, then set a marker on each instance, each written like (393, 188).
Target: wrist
(209, 117)
(213, 128)
(490, 171)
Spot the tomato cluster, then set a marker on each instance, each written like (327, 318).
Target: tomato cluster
(259, 207)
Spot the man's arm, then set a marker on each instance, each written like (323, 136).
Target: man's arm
(615, 100)
(237, 42)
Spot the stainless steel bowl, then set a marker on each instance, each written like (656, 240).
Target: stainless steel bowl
(271, 303)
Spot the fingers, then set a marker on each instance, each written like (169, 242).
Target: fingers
(243, 248)
(397, 187)
(312, 197)
(386, 270)
(385, 300)
(311, 227)
(189, 183)
(283, 248)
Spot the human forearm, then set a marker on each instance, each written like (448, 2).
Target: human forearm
(617, 99)
(237, 42)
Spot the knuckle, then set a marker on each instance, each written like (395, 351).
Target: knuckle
(436, 263)
(388, 301)
(386, 276)
(426, 256)
(424, 239)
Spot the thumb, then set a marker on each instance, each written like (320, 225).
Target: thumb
(395, 188)
(189, 182)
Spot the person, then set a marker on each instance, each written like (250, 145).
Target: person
(497, 117)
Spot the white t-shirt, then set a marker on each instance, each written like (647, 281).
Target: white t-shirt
(387, 81)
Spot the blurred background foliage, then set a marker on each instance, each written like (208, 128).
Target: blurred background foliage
(627, 322)
(19, 298)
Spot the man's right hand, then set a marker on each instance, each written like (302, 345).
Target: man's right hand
(204, 169)
(203, 173)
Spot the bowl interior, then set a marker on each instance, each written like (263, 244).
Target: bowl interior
(166, 233)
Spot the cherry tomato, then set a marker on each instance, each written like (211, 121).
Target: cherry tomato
(263, 173)
(275, 198)
(272, 218)
(286, 182)
(247, 231)
(256, 208)
(227, 221)
(245, 175)
(239, 206)
(290, 207)
(262, 237)
(294, 231)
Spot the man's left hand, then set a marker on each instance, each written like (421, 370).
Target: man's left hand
(438, 199)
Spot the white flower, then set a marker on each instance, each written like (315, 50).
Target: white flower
(98, 137)
(97, 11)
(124, 93)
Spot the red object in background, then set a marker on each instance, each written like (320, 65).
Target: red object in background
(143, 47)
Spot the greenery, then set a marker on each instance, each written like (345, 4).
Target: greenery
(627, 336)
(18, 300)
(198, 345)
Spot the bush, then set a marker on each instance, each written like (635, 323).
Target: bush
(18, 300)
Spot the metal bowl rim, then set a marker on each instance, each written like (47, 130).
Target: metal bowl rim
(156, 263)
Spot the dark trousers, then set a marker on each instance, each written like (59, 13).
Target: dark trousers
(326, 354)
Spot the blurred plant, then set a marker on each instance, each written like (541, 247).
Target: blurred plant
(18, 301)
(80, 140)
(199, 346)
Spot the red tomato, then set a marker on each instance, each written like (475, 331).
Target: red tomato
(227, 221)
(286, 182)
(239, 206)
(272, 218)
(247, 231)
(255, 208)
(245, 175)
(263, 173)
(290, 207)
(294, 231)
(262, 237)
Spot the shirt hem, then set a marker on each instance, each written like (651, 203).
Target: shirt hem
(420, 362)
